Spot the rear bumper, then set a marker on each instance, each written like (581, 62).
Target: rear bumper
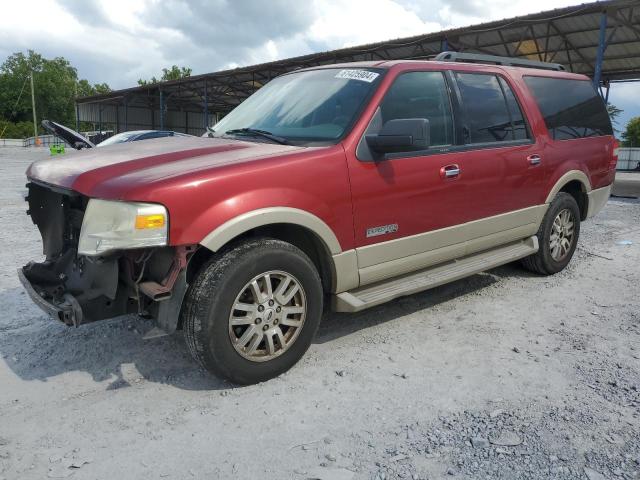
(68, 311)
(598, 199)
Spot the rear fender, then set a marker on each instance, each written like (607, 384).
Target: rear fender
(565, 179)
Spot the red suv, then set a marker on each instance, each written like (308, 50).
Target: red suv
(341, 186)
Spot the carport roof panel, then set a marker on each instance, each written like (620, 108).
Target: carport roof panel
(567, 35)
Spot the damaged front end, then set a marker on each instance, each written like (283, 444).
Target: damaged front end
(77, 288)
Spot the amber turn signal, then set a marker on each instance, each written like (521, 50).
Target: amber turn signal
(144, 222)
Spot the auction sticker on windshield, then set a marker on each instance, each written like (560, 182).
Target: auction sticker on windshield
(362, 75)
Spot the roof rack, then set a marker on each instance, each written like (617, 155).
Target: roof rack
(496, 60)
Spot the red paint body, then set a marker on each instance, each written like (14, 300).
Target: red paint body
(204, 182)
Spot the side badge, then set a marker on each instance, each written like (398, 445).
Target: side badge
(383, 230)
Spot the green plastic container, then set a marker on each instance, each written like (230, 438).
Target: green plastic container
(56, 149)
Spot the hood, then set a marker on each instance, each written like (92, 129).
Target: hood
(73, 138)
(128, 165)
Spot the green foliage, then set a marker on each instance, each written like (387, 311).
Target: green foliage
(631, 135)
(85, 89)
(173, 73)
(56, 85)
(15, 130)
(54, 81)
(614, 113)
(101, 88)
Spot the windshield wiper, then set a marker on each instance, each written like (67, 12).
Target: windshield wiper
(258, 133)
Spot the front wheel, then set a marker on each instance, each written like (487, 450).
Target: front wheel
(252, 312)
(557, 236)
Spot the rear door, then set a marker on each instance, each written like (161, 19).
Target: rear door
(506, 163)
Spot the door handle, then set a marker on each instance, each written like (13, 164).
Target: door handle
(534, 159)
(450, 171)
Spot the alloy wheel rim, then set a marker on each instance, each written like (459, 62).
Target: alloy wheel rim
(562, 235)
(267, 316)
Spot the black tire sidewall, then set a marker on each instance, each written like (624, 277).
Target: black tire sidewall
(219, 353)
(561, 202)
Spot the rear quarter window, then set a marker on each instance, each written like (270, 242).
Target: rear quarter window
(571, 108)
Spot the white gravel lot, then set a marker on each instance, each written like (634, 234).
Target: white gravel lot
(502, 375)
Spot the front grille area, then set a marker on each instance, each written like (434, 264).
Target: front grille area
(80, 289)
(58, 215)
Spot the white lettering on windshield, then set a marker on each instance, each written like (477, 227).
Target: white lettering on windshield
(362, 75)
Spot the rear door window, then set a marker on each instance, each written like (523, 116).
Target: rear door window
(571, 108)
(491, 111)
(518, 124)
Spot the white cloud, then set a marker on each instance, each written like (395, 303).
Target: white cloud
(119, 41)
(627, 97)
(341, 23)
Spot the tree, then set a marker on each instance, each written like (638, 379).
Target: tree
(56, 85)
(15, 130)
(614, 113)
(631, 135)
(173, 73)
(85, 89)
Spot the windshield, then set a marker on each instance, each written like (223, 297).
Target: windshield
(310, 106)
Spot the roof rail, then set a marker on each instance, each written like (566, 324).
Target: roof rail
(496, 60)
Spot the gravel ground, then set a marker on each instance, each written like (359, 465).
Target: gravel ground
(503, 375)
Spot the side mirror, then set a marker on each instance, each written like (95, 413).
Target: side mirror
(401, 135)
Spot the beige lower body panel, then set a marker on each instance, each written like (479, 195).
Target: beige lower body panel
(396, 257)
(345, 275)
(374, 274)
(598, 199)
(381, 292)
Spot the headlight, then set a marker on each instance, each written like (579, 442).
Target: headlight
(109, 225)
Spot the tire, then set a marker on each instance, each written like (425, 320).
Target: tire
(548, 260)
(234, 343)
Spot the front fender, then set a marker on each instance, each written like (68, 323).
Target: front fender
(269, 216)
(229, 217)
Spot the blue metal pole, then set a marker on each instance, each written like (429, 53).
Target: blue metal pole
(161, 111)
(444, 45)
(77, 118)
(602, 46)
(206, 107)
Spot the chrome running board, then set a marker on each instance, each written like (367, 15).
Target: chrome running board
(381, 292)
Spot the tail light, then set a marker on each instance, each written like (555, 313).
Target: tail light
(614, 155)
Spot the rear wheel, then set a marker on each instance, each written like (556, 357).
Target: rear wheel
(557, 236)
(252, 312)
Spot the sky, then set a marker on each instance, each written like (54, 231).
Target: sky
(120, 41)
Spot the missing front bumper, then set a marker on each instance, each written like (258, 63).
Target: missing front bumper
(67, 311)
(75, 290)
(78, 289)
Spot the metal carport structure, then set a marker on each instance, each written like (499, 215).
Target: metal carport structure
(600, 39)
